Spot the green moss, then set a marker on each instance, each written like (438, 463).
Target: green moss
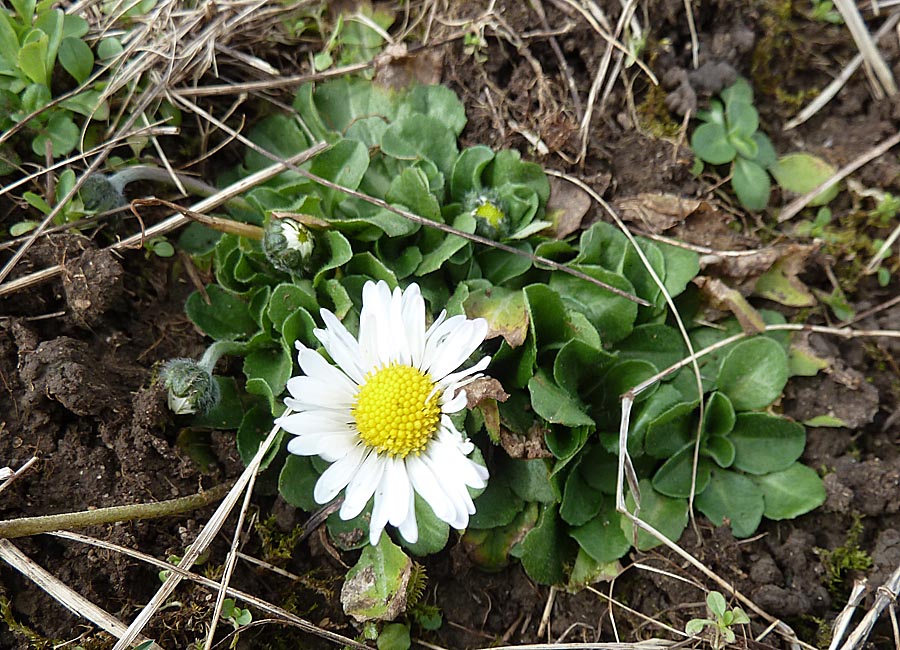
(844, 559)
(654, 115)
(21, 630)
(277, 547)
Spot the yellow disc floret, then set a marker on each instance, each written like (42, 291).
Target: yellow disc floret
(397, 410)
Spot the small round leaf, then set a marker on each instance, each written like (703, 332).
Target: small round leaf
(754, 373)
(751, 184)
(710, 143)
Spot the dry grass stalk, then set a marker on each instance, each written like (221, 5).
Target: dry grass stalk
(70, 599)
(794, 207)
(832, 89)
(174, 221)
(208, 583)
(867, 47)
(204, 539)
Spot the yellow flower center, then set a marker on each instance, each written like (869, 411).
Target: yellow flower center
(396, 411)
(490, 213)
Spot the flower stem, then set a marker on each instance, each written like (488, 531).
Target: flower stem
(68, 520)
(218, 350)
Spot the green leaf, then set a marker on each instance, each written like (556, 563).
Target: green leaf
(667, 515)
(226, 318)
(802, 173)
(450, 244)
(719, 418)
(76, 58)
(375, 588)
(273, 366)
(394, 636)
(612, 315)
(581, 502)
(682, 266)
(659, 344)
(530, 480)
(287, 299)
(765, 443)
(62, 133)
(710, 142)
(674, 477)
(411, 190)
(739, 91)
(433, 532)
(467, 171)
(228, 413)
(297, 481)
(716, 603)
(489, 549)
(254, 427)
(599, 467)
(421, 137)
(751, 184)
(554, 404)
(509, 168)
(546, 550)
(438, 102)
(9, 43)
(745, 146)
(497, 506)
(603, 537)
(742, 119)
(753, 373)
(734, 497)
(504, 309)
(109, 48)
(88, 103)
(344, 164)
(766, 156)
(32, 59)
(720, 449)
(791, 492)
(279, 135)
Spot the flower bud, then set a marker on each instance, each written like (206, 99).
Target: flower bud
(289, 245)
(100, 194)
(490, 213)
(192, 388)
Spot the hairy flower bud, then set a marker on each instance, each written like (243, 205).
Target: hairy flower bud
(489, 211)
(192, 388)
(289, 245)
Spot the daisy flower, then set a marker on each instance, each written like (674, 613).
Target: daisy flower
(381, 414)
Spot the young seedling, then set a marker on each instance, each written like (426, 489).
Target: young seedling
(730, 134)
(720, 626)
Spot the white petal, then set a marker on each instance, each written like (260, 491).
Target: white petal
(457, 496)
(341, 346)
(362, 486)
(313, 393)
(459, 379)
(396, 338)
(448, 405)
(409, 528)
(315, 366)
(391, 497)
(413, 316)
(338, 474)
(397, 492)
(428, 486)
(455, 347)
(330, 446)
(376, 299)
(316, 422)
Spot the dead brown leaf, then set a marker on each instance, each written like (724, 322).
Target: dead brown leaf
(566, 208)
(526, 447)
(721, 296)
(656, 213)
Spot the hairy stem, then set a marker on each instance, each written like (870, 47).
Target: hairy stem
(68, 520)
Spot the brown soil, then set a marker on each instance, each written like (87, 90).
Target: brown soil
(78, 359)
